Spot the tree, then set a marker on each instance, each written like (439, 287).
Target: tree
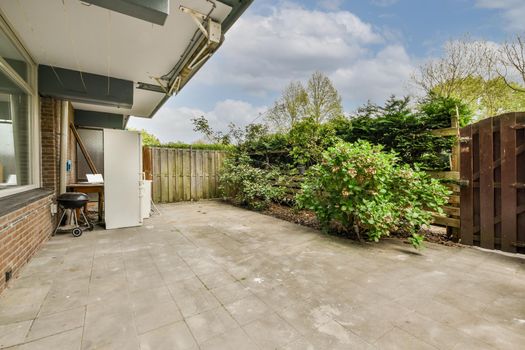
(407, 131)
(324, 102)
(235, 135)
(446, 76)
(147, 138)
(476, 73)
(319, 101)
(490, 97)
(290, 108)
(202, 125)
(308, 139)
(512, 57)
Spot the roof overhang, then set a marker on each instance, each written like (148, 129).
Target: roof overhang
(154, 11)
(116, 41)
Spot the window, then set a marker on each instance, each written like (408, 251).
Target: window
(19, 135)
(13, 57)
(14, 135)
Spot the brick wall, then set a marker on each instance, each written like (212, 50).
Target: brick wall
(22, 232)
(50, 135)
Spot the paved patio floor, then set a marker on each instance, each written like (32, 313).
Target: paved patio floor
(211, 276)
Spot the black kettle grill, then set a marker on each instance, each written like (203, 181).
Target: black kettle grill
(69, 202)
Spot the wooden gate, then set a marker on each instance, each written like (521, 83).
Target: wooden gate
(182, 174)
(492, 178)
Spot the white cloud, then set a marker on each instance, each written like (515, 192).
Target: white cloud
(513, 11)
(174, 124)
(263, 53)
(375, 78)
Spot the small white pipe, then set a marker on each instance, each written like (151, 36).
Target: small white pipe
(64, 140)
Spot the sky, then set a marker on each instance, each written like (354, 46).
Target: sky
(368, 48)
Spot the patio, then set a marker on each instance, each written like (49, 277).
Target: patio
(208, 275)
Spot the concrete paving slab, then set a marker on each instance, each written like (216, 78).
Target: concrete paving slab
(208, 275)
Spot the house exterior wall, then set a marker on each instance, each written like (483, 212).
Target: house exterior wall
(24, 230)
(22, 233)
(50, 134)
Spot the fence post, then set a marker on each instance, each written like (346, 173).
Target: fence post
(466, 190)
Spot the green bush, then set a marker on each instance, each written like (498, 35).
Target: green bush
(360, 189)
(269, 149)
(309, 139)
(203, 146)
(408, 132)
(247, 185)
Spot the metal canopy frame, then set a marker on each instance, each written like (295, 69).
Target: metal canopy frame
(194, 57)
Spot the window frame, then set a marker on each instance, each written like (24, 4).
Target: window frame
(29, 87)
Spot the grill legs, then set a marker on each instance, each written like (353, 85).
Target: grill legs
(76, 229)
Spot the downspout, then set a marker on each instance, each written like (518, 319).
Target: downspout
(64, 141)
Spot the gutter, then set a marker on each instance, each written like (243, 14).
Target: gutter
(181, 68)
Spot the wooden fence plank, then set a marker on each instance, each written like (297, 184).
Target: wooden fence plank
(198, 175)
(520, 177)
(186, 174)
(508, 177)
(171, 176)
(446, 221)
(445, 175)
(486, 180)
(215, 182)
(467, 214)
(193, 182)
(206, 174)
(180, 176)
(164, 175)
(183, 174)
(156, 174)
(445, 132)
(147, 163)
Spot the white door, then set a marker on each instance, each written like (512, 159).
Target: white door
(122, 168)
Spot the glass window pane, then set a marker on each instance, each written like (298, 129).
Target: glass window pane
(15, 134)
(13, 57)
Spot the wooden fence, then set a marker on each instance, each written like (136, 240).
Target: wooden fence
(451, 217)
(182, 174)
(493, 183)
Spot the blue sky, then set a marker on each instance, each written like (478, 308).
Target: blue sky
(369, 48)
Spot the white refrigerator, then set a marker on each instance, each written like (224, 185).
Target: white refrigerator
(122, 176)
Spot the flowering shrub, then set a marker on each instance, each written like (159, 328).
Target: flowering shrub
(361, 189)
(247, 185)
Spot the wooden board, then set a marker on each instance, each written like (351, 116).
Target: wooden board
(466, 197)
(486, 180)
(492, 171)
(183, 174)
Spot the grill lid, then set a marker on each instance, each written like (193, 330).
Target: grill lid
(73, 199)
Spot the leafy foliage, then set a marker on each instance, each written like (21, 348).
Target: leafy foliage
(269, 149)
(289, 109)
(437, 111)
(308, 139)
(489, 97)
(204, 146)
(202, 125)
(485, 75)
(148, 139)
(409, 133)
(319, 101)
(361, 189)
(324, 102)
(247, 185)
